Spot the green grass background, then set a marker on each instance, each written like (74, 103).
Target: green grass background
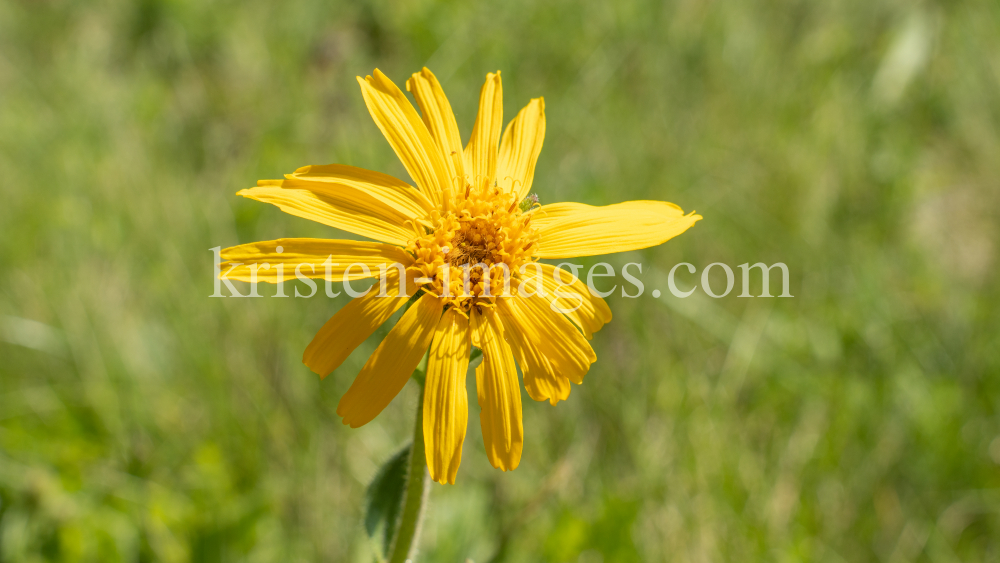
(856, 141)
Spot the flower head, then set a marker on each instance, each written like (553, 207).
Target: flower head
(467, 240)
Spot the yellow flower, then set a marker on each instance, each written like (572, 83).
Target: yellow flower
(469, 207)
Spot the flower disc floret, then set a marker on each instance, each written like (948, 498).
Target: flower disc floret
(473, 252)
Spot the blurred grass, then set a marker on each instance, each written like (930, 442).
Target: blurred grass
(855, 141)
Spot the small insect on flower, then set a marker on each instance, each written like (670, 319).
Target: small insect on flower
(528, 202)
(465, 231)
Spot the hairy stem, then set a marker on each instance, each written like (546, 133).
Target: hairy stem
(404, 546)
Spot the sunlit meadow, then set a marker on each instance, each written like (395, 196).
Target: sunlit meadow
(856, 142)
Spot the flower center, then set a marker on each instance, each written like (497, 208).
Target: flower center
(475, 248)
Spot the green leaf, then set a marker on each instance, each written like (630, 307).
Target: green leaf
(384, 498)
(420, 374)
(475, 357)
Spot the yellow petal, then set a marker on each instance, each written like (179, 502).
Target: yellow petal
(519, 149)
(541, 380)
(392, 363)
(548, 214)
(334, 210)
(239, 262)
(439, 119)
(481, 152)
(407, 134)
(367, 185)
(565, 349)
(588, 311)
(353, 324)
(584, 230)
(499, 394)
(446, 404)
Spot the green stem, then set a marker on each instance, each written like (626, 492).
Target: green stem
(404, 546)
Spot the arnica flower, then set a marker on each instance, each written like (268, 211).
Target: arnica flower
(470, 208)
